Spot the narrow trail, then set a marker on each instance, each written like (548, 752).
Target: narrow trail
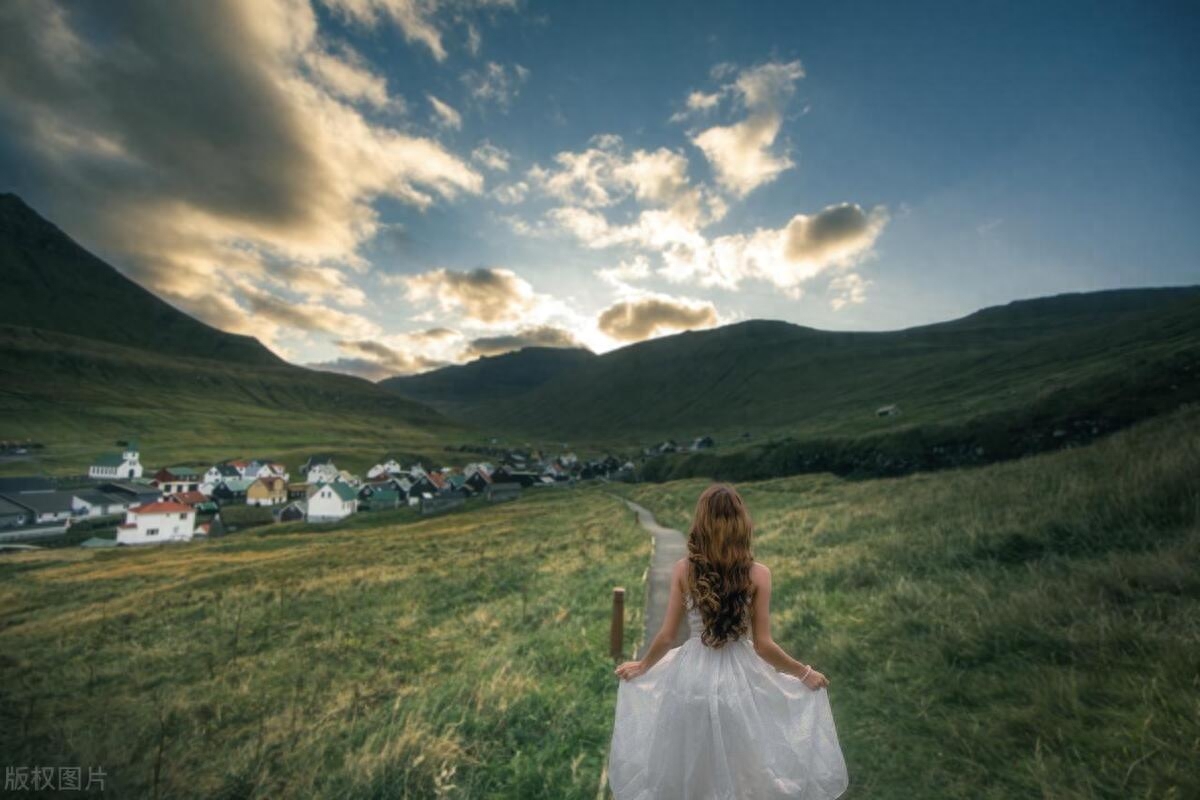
(668, 547)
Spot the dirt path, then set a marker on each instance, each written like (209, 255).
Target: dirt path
(668, 547)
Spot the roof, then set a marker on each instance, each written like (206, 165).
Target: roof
(238, 484)
(189, 498)
(180, 473)
(385, 496)
(226, 470)
(7, 508)
(125, 487)
(96, 497)
(109, 460)
(43, 502)
(342, 490)
(26, 484)
(162, 507)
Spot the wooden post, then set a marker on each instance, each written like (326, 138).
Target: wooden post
(616, 636)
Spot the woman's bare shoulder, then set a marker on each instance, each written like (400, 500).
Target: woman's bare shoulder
(759, 572)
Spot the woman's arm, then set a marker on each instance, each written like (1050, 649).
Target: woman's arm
(764, 645)
(666, 634)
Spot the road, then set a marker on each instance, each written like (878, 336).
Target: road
(669, 547)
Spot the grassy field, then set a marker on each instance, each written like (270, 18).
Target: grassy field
(78, 397)
(1026, 629)
(458, 656)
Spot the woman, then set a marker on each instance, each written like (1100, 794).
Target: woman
(722, 715)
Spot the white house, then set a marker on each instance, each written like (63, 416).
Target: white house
(126, 464)
(271, 469)
(92, 503)
(322, 473)
(155, 523)
(333, 501)
(389, 467)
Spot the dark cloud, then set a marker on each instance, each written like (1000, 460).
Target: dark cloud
(367, 357)
(484, 295)
(833, 232)
(642, 318)
(542, 336)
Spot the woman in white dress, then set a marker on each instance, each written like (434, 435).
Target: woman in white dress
(728, 715)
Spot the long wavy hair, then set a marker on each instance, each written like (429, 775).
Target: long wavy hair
(720, 554)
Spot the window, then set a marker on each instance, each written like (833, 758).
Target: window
(183, 515)
(152, 531)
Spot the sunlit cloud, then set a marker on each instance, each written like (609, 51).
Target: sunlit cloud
(645, 317)
(444, 114)
(541, 336)
(495, 83)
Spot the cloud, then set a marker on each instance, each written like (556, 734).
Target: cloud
(495, 83)
(637, 268)
(742, 154)
(511, 193)
(652, 315)
(264, 306)
(492, 157)
(263, 167)
(697, 102)
(419, 20)
(837, 236)
(483, 295)
(541, 336)
(846, 289)
(444, 114)
(346, 76)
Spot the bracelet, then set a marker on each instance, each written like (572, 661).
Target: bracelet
(807, 670)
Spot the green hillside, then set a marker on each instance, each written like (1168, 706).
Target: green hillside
(87, 358)
(490, 378)
(52, 283)
(1113, 356)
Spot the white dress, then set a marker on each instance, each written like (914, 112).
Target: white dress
(722, 724)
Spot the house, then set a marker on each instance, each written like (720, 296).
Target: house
(887, 411)
(45, 508)
(13, 515)
(133, 493)
(219, 473)
(173, 480)
(478, 480)
(400, 486)
(153, 523)
(702, 443)
(271, 491)
(347, 478)
(389, 467)
(126, 464)
(506, 474)
(319, 469)
(197, 500)
(332, 501)
(300, 491)
(271, 469)
(291, 512)
(381, 500)
(232, 490)
(94, 503)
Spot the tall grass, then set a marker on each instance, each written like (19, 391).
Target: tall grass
(460, 656)
(1027, 629)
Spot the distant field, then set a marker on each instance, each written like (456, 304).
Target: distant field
(78, 397)
(1026, 629)
(459, 656)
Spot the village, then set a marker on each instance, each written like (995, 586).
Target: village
(178, 503)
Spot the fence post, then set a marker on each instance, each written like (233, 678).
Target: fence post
(616, 636)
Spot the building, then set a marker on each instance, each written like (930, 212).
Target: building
(332, 501)
(218, 473)
(159, 522)
(232, 490)
(319, 468)
(271, 491)
(13, 515)
(133, 493)
(45, 508)
(95, 503)
(174, 480)
(126, 464)
(292, 512)
(389, 467)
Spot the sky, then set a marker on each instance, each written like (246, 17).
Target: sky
(383, 187)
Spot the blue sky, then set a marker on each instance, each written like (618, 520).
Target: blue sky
(600, 173)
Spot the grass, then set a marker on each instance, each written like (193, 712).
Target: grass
(456, 656)
(1026, 629)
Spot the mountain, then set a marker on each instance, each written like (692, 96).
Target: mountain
(1112, 355)
(88, 357)
(54, 284)
(490, 378)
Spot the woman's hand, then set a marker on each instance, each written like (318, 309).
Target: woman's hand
(630, 670)
(815, 680)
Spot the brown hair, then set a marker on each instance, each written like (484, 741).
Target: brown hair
(719, 551)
